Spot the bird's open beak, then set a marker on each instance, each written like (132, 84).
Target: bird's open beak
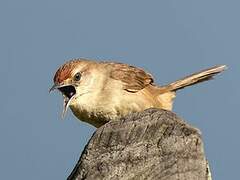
(55, 86)
(68, 91)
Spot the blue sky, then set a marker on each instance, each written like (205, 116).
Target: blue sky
(170, 39)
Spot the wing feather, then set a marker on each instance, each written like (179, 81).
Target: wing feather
(133, 78)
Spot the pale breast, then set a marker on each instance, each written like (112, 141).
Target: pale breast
(112, 102)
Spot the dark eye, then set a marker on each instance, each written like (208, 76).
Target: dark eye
(77, 77)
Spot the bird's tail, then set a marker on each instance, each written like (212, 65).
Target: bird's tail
(166, 94)
(195, 78)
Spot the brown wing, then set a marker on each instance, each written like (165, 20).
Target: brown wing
(133, 78)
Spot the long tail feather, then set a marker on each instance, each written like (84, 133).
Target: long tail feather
(195, 78)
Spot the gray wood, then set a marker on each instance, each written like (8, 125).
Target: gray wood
(154, 144)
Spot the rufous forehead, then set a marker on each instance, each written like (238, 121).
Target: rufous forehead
(65, 71)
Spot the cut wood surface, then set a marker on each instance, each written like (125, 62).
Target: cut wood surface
(154, 144)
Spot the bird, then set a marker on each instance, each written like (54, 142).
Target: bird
(101, 91)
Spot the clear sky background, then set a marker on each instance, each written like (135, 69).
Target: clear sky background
(168, 38)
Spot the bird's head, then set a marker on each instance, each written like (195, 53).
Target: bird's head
(72, 80)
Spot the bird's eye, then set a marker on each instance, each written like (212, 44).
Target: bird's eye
(77, 77)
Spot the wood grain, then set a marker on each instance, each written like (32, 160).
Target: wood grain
(154, 144)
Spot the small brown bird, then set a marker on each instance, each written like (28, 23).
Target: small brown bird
(98, 92)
